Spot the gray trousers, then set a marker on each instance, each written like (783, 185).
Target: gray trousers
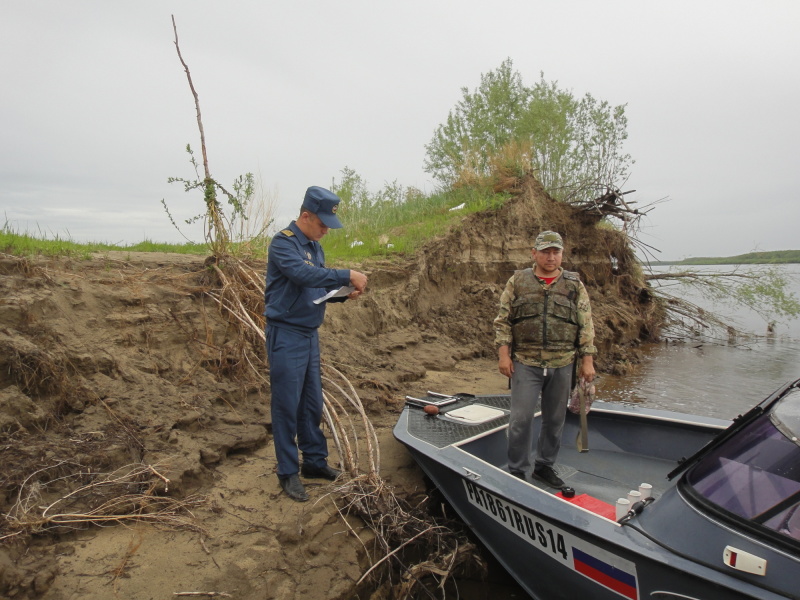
(527, 385)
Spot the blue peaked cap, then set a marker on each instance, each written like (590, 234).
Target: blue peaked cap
(323, 203)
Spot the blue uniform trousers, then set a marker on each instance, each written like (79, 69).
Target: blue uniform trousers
(296, 381)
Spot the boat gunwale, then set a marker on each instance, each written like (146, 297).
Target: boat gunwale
(626, 412)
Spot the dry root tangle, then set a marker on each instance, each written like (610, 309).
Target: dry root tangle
(66, 495)
(240, 296)
(418, 553)
(412, 554)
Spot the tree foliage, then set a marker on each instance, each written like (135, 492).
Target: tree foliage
(573, 144)
(218, 226)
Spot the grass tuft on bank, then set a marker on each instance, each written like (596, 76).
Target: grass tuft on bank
(372, 228)
(27, 244)
(383, 228)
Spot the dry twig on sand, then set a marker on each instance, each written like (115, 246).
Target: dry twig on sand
(84, 497)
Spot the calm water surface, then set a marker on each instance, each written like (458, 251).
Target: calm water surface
(715, 380)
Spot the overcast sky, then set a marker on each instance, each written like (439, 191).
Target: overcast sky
(95, 110)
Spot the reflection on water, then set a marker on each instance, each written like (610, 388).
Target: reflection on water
(714, 380)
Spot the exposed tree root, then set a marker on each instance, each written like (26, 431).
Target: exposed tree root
(49, 500)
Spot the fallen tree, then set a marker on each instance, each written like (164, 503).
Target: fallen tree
(762, 289)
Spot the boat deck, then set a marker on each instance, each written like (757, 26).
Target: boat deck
(609, 475)
(442, 431)
(621, 455)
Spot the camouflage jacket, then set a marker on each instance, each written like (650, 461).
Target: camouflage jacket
(545, 325)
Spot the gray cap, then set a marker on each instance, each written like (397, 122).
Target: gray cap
(548, 239)
(324, 204)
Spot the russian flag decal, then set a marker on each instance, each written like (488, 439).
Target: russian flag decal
(614, 578)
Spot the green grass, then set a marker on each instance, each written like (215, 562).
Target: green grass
(26, 244)
(148, 246)
(383, 228)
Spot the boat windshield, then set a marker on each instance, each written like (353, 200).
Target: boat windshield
(756, 473)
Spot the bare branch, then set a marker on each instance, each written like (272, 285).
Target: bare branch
(196, 102)
(217, 236)
(696, 276)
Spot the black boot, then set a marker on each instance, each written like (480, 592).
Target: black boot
(548, 475)
(293, 488)
(325, 472)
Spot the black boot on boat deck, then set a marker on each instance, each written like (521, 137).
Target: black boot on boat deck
(548, 475)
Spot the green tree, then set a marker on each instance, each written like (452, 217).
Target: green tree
(352, 189)
(481, 123)
(573, 145)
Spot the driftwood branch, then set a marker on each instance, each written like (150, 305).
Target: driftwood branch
(612, 203)
(762, 290)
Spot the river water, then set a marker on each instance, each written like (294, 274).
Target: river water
(714, 379)
(719, 380)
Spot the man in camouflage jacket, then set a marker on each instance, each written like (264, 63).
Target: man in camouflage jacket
(543, 327)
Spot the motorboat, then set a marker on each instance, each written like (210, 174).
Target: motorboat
(658, 504)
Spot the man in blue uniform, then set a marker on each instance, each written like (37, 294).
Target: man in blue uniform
(296, 277)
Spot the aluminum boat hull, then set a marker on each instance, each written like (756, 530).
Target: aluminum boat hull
(555, 548)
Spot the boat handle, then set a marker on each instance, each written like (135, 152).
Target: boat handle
(472, 474)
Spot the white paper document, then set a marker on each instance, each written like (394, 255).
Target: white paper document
(345, 290)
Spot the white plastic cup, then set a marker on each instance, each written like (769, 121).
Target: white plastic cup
(646, 490)
(634, 496)
(623, 506)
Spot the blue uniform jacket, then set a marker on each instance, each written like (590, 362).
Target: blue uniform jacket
(296, 276)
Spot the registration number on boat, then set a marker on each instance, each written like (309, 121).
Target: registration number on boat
(543, 535)
(604, 568)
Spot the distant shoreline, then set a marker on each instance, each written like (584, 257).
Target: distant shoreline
(779, 257)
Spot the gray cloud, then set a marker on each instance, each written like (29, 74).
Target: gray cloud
(96, 110)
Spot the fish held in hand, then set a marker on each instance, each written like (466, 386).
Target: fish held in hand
(585, 389)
